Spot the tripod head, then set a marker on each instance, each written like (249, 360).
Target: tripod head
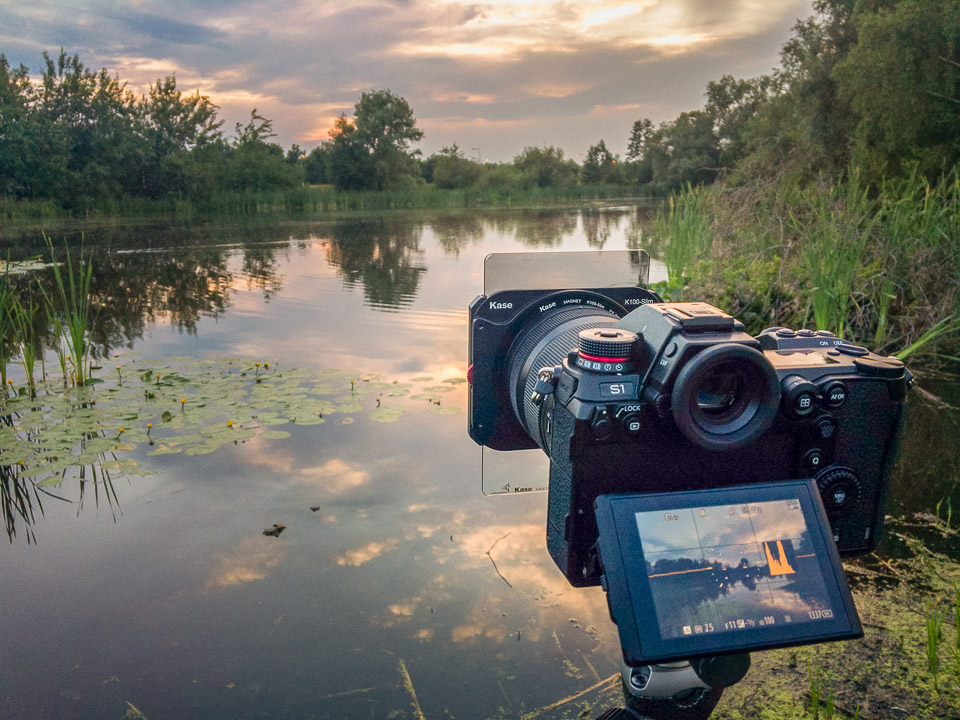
(684, 690)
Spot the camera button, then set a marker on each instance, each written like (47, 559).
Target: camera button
(813, 460)
(854, 350)
(806, 333)
(799, 396)
(834, 394)
(826, 427)
(786, 333)
(602, 425)
(671, 350)
(631, 424)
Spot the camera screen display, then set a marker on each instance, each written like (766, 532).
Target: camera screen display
(726, 568)
(731, 569)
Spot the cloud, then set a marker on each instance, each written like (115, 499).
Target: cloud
(356, 558)
(335, 476)
(497, 75)
(252, 560)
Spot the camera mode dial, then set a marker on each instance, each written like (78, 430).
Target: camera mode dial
(607, 350)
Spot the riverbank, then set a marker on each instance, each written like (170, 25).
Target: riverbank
(315, 201)
(877, 265)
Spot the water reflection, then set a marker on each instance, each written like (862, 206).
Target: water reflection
(383, 256)
(390, 546)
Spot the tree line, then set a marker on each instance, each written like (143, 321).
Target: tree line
(867, 83)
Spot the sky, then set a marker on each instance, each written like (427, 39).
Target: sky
(492, 77)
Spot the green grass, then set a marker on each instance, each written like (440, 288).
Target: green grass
(879, 266)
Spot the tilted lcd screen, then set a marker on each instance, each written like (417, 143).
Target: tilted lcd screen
(723, 570)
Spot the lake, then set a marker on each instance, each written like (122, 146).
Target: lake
(397, 587)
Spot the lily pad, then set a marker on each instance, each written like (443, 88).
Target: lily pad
(274, 434)
(388, 413)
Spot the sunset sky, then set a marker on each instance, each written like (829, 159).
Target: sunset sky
(492, 77)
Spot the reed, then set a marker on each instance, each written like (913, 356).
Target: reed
(23, 318)
(683, 233)
(73, 292)
(836, 227)
(7, 296)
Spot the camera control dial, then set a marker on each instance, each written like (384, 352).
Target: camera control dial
(839, 488)
(607, 350)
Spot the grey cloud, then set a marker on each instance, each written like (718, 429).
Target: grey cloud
(165, 30)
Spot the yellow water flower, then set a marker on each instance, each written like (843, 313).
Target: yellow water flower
(229, 423)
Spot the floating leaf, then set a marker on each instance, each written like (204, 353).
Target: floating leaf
(388, 413)
(275, 435)
(167, 416)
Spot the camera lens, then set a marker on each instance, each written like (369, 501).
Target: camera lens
(725, 397)
(545, 343)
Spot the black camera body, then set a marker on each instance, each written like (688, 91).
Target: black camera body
(677, 396)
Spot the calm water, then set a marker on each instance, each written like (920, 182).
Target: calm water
(174, 600)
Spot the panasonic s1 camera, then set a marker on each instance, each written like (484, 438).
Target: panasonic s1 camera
(627, 394)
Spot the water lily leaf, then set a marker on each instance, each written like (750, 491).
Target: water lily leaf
(438, 389)
(274, 434)
(52, 481)
(455, 381)
(388, 413)
(166, 450)
(424, 379)
(166, 416)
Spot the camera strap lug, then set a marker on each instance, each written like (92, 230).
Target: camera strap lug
(547, 381)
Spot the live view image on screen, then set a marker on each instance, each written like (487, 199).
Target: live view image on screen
(725, 568)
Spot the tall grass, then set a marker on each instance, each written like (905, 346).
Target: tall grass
(74, 298)
(23, 318)
(683, 233)
(878, 265)
(7, 297)
(836, 227)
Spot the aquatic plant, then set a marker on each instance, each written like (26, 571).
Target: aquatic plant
(75, 304)
(7, 297)
(90, 427)
(22, 320)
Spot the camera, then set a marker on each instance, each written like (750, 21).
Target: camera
(630, 395)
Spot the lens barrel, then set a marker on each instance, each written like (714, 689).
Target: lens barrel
(546, 343)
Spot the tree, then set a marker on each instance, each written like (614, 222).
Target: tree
(254, 163)
(15, 134)
(545, 167)
(452, 170)
(316, 164)
(902, 81)
(640, 135)
(683, 151)
(385, 127)
(185, 142)
(600, 166)
(350, 166)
